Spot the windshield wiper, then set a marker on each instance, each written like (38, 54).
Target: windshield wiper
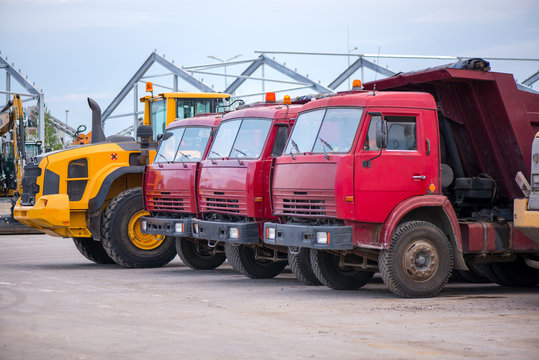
(324, 144)
(240, 152)
(216, 153)
(295, 146)
(159, 162)
(181, 158)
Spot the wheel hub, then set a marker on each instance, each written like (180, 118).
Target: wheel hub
(420, 260)
(140, 240)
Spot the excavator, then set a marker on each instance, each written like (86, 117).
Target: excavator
(15, 149)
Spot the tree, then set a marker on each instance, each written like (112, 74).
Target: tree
(51, 140)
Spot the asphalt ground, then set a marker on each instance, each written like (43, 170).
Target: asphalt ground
(55, 304)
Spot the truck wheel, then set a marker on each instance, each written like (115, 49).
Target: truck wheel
(242, 258)
(418, 262)
(198, 255)
(92, 250)
(300, 264)
(123, 239)
(330, 273)
(513, 274)
(475, 274)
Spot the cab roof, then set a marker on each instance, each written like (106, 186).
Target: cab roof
(187, 95)
(269, 111)
(212, 120)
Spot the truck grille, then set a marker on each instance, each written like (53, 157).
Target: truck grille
(311, 203)
(232, 202)
(171, 201)
(29, 184)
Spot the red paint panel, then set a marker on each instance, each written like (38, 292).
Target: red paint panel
(171, 188)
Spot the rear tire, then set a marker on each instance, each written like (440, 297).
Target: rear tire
(197, 255)
(418, 262)
(242, 258)
(300, 264)
(475, 274)
(92, 250)
(122, 238)
(513, 274)
(326, 267)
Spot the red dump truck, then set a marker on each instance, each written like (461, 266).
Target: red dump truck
(170, 184)
(233, 191)
(412, 178)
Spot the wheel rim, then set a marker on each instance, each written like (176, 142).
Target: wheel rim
(140, 240)
(420, 260)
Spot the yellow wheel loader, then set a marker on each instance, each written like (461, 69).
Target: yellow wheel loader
(92, 193)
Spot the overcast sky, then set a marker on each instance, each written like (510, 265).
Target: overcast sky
(77, 48)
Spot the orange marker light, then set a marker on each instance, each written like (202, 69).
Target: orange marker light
(356, 84)
(349, 198)
(286, 100)
(149, 86)
(270, 97)
(432, 187)
(258, 199)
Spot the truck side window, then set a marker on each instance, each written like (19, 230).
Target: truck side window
(401, 133)
(280, 141)
(370, 139)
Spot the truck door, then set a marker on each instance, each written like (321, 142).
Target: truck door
(384, 178)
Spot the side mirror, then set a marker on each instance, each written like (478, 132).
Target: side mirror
(381, 134)
(145, 133)
(160, 137)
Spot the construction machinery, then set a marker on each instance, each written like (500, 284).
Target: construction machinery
(93, 193)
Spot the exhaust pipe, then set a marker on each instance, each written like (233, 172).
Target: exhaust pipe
(98, 135)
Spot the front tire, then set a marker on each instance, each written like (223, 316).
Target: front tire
(242, 258)
(300, 264)
(122, 237)
(92, 250)
(418, 262)
(335, 276)
(198, 255)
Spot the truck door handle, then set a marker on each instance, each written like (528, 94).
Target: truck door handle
(419, 177)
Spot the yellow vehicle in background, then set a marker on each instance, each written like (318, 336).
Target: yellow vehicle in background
(92, 193)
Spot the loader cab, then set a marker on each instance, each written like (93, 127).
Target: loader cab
(161, 110)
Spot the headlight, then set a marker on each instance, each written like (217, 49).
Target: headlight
(270, 233)
(322, 238)
(143, 225)
(234, 233)
(178, 227)
(195, 228)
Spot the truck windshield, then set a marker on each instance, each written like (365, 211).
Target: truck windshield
(186, 108)
(183, 144)
(158, 117)
(241, 138)
(326, 130)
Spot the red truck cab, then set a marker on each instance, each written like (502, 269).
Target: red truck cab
(375, 181)
(233, 192)
(170, 184)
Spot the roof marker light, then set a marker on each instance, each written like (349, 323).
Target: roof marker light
(286, 100)
(356, 85)
(270, 97)
(149, 86)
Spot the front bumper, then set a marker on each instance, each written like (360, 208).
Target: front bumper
(231, 232)
(330, 238)
(166, 226)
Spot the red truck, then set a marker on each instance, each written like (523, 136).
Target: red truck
(233, 191)
(170, 184)
(411, 181)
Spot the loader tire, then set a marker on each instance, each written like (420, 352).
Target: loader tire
(330, 273)
(123, 239)
(300, 264)
(512, 274)
(92, 250)
(242, 258)
(418, 262)
(198, 255)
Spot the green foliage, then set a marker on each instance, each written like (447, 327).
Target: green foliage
(51, 140)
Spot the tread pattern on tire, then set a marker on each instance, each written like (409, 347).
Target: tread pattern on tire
(92, 250)
(385, 262)
(512, 274)
(327, 273)
(242, 259)
(300, 264)
(114, 248)
(189, 255)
